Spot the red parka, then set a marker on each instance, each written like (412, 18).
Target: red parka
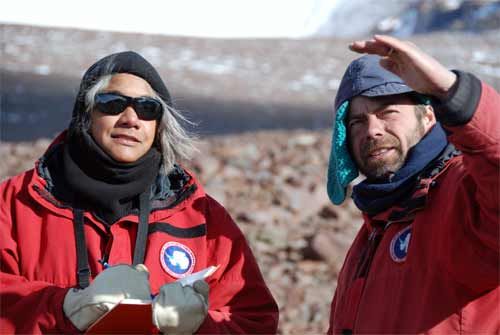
(433, 268)
(38, 257)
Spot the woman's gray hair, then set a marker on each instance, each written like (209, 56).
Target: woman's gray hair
(172, 140)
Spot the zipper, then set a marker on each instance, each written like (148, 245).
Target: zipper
(368, 254)
(107, 250)
(387, 225)
(361, 272)
(363, 269)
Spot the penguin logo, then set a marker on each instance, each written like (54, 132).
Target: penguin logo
(400, 244)
(177, 259)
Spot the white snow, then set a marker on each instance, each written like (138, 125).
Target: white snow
(215, 18)
(42, 69)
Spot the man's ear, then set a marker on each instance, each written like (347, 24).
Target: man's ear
(429, 118)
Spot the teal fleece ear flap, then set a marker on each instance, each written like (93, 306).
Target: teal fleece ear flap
(341, 168)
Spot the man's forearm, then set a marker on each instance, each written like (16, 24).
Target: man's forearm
(462, 101)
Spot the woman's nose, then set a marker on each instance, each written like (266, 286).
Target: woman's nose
(129, 117)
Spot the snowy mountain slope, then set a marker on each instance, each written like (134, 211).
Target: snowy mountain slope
(355, 18)
(226, 86)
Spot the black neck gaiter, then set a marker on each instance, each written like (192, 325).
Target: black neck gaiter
(108, 188)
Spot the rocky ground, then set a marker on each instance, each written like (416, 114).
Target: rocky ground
(273, 184)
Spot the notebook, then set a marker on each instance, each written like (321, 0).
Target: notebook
(134, 316)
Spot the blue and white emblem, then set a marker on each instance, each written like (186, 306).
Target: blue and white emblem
(400, 244)
(177, 259)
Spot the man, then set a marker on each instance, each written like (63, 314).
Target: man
(107, 214)
(426, 259)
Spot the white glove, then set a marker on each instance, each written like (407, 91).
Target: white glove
(180, 309)
(84, 307)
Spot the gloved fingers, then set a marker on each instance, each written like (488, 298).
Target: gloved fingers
(196, 300)
(142, 268)
(120, 281)
(169, 293)
(165, 306)
(116, 271)
(122, 272)
(201, 287)
(174, 294)
(104, 307)
(157, 311)
(107, 290)
(179, 309)
(126, 267)
(82, 314)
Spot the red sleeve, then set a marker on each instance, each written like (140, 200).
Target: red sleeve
(332, 315)
(474, 245)
(239, 301)
(26, 307)
(478, 140)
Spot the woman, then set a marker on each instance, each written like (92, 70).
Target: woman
(107, 214)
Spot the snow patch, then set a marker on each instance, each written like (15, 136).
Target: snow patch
(43, 70)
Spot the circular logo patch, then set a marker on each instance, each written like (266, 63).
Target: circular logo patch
(399, 245)
(177, 259)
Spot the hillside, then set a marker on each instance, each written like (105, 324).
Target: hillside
(227, 86)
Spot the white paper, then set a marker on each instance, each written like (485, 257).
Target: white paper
(190, 279)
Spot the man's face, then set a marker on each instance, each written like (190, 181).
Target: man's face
(382, 131)
(124, 137)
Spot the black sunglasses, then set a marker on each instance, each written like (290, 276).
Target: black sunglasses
(146, 108)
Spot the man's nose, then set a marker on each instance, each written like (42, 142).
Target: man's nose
(374, 127)
(129, 117)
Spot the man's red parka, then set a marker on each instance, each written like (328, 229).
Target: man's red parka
(435, 269)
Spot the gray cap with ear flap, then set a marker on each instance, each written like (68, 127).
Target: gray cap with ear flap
(364, 76)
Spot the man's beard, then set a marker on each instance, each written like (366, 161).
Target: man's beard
(385, 168)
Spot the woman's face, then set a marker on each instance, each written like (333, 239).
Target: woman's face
(125, 137)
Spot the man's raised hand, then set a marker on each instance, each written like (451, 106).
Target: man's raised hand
(419, 70)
